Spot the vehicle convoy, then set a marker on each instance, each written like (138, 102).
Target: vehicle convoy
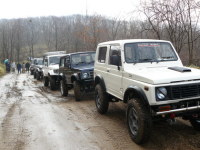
(76, 71)
(38, 71)
(35, 63)
(149, 76)
(51, 68)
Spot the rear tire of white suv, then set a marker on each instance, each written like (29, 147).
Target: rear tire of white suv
(139, 121)
(101, 99)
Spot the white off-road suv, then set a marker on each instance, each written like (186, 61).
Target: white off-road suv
(51, 68)
(149, 76)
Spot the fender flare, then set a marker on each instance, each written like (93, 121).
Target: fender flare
(99, 80)
(137, 92)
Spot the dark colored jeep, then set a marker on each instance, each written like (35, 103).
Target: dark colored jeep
(76, 71)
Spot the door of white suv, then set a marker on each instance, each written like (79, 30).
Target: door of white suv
(114, 73)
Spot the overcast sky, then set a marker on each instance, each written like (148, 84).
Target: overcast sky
(32, 8)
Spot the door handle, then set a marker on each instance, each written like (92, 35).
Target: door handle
(108, 70)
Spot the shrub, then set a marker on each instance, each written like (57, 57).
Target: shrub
(2, 69)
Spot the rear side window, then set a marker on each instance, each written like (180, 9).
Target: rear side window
(102, 54)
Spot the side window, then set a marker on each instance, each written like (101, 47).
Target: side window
(115, 56)
(102, 54)
(62, 62)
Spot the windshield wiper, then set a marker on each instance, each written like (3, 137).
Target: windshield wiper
(147, 59)
(90, 62)
(80, 63)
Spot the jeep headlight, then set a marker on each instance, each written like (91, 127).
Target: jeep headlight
(55, 71)
(161, 93)
(85, 75)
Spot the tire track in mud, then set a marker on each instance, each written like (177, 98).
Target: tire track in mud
(114, 133)
(12, 132)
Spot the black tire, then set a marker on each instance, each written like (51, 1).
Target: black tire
(52, 83)
(101, 99)
(46, 81)
(195, 122)
(31, 72)
(77, 90)
(139, 121)
(37, 76)
(63, 88)
(34, 75)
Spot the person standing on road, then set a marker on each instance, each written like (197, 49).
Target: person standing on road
(19, 68)
(27, 65)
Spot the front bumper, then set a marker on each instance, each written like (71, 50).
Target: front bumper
(87, 85)
(179, 108)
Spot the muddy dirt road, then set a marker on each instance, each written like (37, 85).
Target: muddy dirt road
(34, 118)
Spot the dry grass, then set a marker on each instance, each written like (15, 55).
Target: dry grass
(193, 66)
(2, 69)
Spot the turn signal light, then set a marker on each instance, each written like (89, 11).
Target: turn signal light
(164, 108)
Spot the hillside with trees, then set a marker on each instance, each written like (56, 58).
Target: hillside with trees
(176, 21)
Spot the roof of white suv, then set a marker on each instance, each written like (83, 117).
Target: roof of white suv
(120, 42)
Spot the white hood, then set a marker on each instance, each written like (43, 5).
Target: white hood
(54, 67)
(162, 75)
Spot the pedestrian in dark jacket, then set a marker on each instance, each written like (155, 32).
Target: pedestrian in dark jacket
(27, 65)
(19, 68)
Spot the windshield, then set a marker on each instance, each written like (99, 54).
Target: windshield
(149, 52)
(54, 60)
(82, 58)
(40, 62)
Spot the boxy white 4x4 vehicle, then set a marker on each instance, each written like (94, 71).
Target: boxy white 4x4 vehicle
(51, 68)
(149, 76)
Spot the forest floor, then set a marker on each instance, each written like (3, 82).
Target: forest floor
(35, 118)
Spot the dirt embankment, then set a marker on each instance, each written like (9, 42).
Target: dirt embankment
(33, 117)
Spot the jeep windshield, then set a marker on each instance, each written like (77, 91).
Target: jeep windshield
(40, 62)
(82, 59)
(149, 52)
(54, 60)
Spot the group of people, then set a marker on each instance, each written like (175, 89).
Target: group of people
(21, 68)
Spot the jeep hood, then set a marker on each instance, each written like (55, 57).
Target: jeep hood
(54, 67)
(84, 67)
(163, 75)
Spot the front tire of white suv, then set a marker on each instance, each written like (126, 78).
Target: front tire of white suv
(139, 121)
(101, 99)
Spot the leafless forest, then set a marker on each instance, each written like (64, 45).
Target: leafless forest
(173, 20)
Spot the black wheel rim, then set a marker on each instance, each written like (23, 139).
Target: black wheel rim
(133, 121)
(98, 100)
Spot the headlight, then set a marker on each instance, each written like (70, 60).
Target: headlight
(161, 93)
(85, 75)
(55, 71)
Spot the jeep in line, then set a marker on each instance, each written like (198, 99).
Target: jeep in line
(76, 71)
(51, 69)
(149, 76)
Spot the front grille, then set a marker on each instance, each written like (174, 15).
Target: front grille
(185, 91)
(91, 74)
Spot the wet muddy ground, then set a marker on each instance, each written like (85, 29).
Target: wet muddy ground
(34, 118)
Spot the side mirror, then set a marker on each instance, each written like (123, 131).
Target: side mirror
(115, 60)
